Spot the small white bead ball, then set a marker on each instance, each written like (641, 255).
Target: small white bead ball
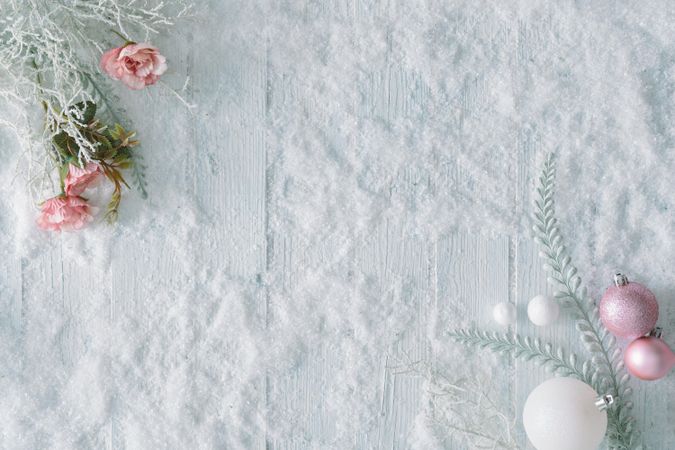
(543, 310)
(560, 414)
(504, 313)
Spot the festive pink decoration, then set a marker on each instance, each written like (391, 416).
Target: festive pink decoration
(628, 309)
(649, 358)
(135, 65)
(79, 179)
(64, 213)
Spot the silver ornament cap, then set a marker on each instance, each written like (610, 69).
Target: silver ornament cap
(620, 279)
(657, 332)
(604, 402)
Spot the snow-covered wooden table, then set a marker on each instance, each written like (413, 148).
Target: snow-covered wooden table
(354, 182)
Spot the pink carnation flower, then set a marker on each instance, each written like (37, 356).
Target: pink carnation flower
(136, 65)
(65, 213)
(79, 179)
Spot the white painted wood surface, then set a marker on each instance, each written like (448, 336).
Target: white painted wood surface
(450, 279)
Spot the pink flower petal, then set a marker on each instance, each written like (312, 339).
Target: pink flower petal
(64, 213)
(136, 65)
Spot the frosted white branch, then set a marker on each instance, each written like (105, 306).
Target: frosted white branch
(49, 52)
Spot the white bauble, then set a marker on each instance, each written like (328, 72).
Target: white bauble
(561, 414)
(504, 313)
(542, 310)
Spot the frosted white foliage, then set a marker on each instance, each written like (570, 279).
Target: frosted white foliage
(337, 145)
(462, 411)
(49, 52)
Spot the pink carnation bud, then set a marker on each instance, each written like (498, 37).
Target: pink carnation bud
(78, 180)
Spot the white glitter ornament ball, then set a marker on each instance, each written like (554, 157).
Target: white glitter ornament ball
(542, 310)
(504, 313)
(563, 414)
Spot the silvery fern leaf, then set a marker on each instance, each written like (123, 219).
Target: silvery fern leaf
(612, 377)
(555, 360)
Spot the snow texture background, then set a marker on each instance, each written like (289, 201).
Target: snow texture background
(343, 155)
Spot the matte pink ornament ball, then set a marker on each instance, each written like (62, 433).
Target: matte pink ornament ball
(649, 358)
(628, 309)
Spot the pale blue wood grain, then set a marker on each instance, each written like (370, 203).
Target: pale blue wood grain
(297, 396)
(472, 273)
(214, 156)
(397, 268)
(220, 155)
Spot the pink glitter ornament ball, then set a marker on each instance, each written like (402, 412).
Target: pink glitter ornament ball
(649, 358)
(628, 310)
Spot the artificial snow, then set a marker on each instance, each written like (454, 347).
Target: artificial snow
(191, 322)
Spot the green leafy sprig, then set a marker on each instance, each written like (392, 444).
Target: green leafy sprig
(107, 106)
(112, 150)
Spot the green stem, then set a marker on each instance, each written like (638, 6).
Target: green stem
(103, 98)
(39, 81)
(126, 40)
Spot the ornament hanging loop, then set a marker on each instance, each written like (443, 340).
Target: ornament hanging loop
(620, 279)
(604, 402)
(657, 332)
